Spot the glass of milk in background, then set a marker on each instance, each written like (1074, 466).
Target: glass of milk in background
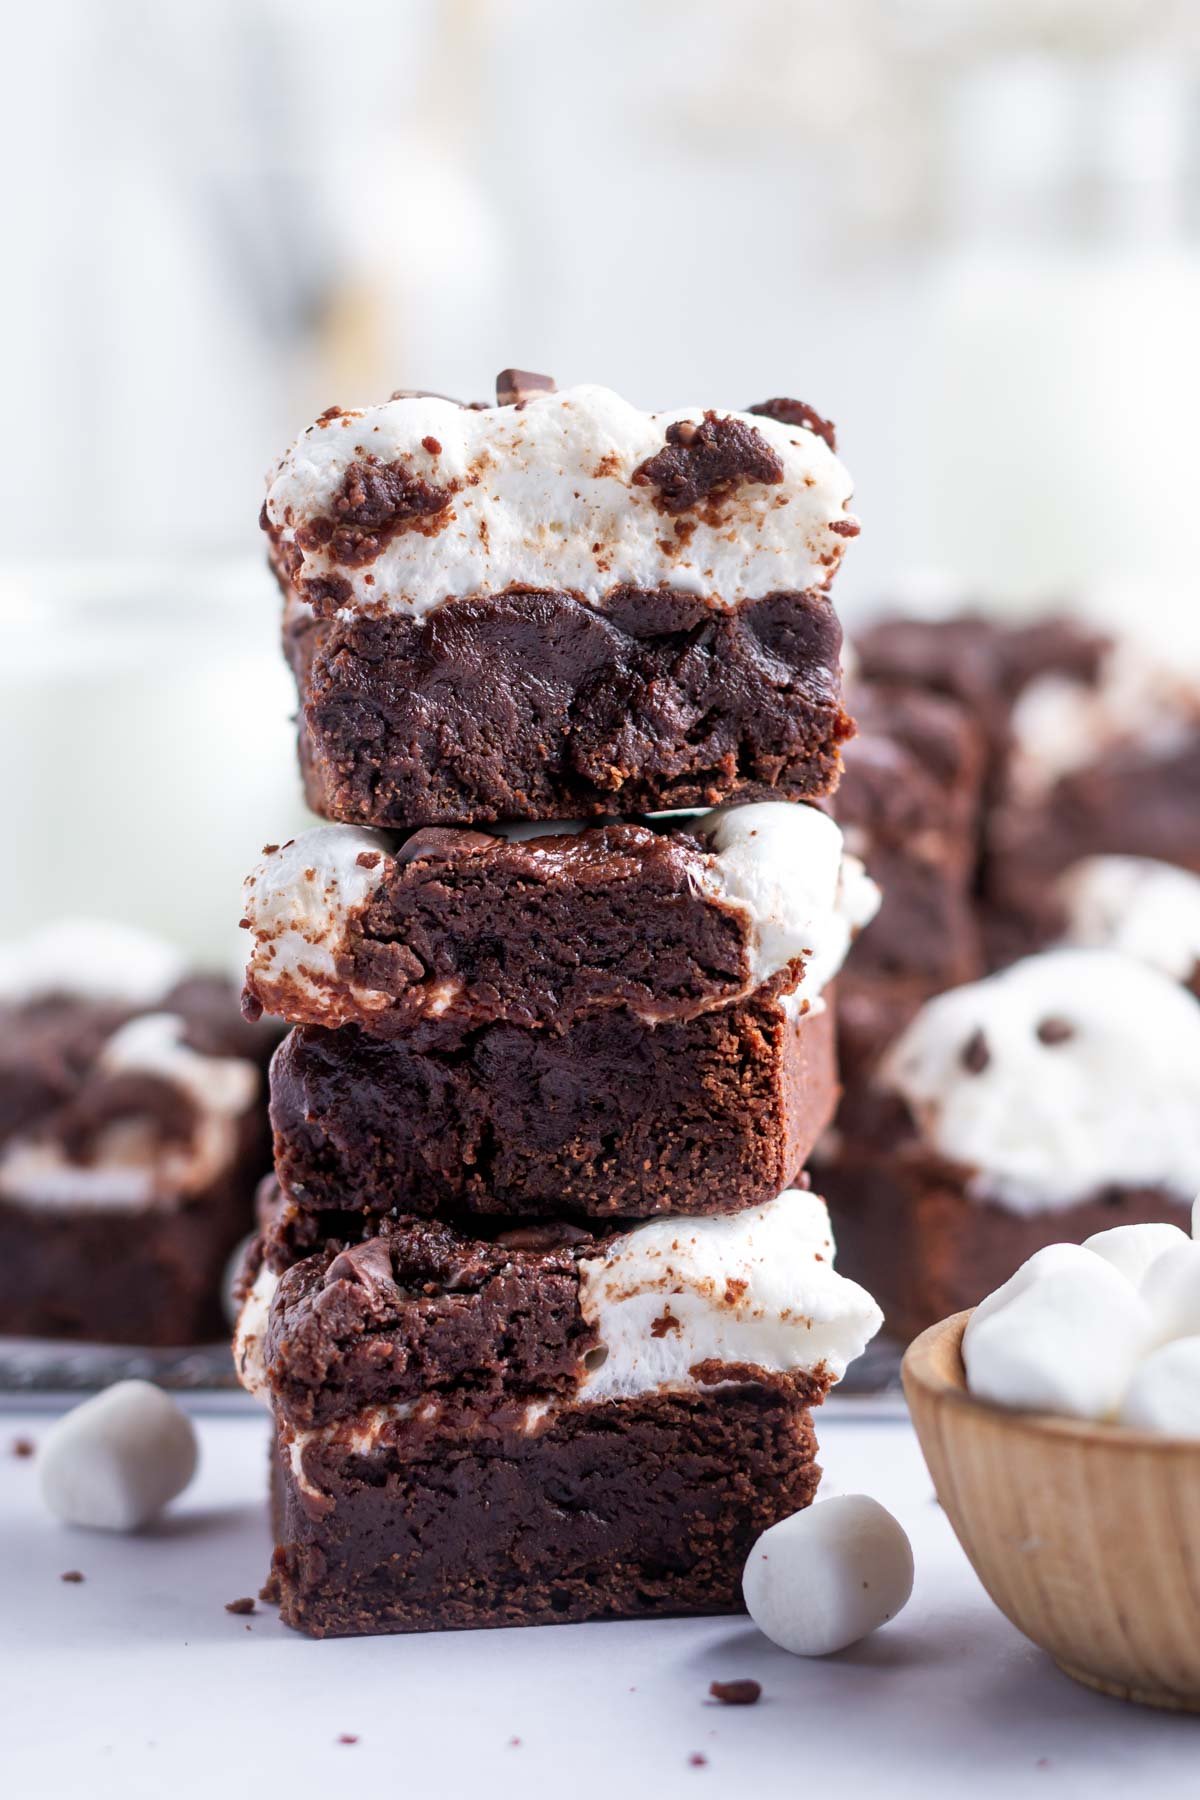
(147, 736)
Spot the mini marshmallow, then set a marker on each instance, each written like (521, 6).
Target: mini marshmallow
(1133, 1248)
(826, 1577)
(115, 1462)
(1063, 1336)
(1171, 1290)
(1164, 1394)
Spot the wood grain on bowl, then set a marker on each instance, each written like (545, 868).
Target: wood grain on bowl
(1086, 1536)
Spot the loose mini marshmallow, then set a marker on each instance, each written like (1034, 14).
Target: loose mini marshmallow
(89, 959)
(542, 495)
(755, 1287)
(780, 864)
(1063, 1336)
(1068, 1073)
(116, 1461)
(1164, 1394)
(1146, 909)
(826, 1577)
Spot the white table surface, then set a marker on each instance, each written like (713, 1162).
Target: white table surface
(137, 1682)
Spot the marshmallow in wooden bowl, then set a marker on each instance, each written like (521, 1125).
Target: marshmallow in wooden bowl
(1107, 1330)
(116, 1461)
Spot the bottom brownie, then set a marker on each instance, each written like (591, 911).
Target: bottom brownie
(622, 1509)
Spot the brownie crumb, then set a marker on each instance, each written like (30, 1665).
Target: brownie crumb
(975, 1053)
(697, 1760)
(514, 1743)
(73, 1575)
(736, 1693)
(244, 1605)
(23, 1446)
(1055, 1031)
(795, 412)
(347, 1737)
(707, 461)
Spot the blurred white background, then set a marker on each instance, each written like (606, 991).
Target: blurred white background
(967, 230)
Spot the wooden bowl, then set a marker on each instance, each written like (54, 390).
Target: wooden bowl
(1086, 1536)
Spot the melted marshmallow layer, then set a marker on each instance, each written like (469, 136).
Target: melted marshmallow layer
(543, 494)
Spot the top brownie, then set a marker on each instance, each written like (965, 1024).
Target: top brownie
(560, 606)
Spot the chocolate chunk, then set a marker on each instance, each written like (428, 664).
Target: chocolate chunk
(707, 461)
(736, 1693)
(515, 385)
(376, 501)
(1055, 1031)
(795, 412)
(368, 1264)
(975, 1054)
(244, 1605)
(554, 1235)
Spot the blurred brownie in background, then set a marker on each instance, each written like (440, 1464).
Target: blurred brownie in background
(910, 806)
(133, 1131)
(1055, 1099)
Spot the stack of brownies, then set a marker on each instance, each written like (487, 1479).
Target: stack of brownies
(541, 1301)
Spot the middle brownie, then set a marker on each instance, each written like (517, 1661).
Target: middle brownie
(619, 1021)
(611, 1117)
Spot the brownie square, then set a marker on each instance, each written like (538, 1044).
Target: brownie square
(639, 1508)
(611, 1117)
(534, 705)
(560, 606)
(908, 1229)
(483, 1427)
(133, 1133)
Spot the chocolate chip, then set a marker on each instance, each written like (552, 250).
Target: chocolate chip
(242, 1606)
(554, 1235)
(975, 1053)
(736, 1693)
(515, 385)
(1055, 1031)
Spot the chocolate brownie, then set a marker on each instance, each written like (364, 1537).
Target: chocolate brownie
(983, 663)
(908, 1228)
(666, 920)
(560, 607)
(543, 1423)
(423, 1308)
(910, 804)
(534, 705)
(610, 1117)
(132, 1134)
(641, 1508)
(1133, 799)
(1044, 1103)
